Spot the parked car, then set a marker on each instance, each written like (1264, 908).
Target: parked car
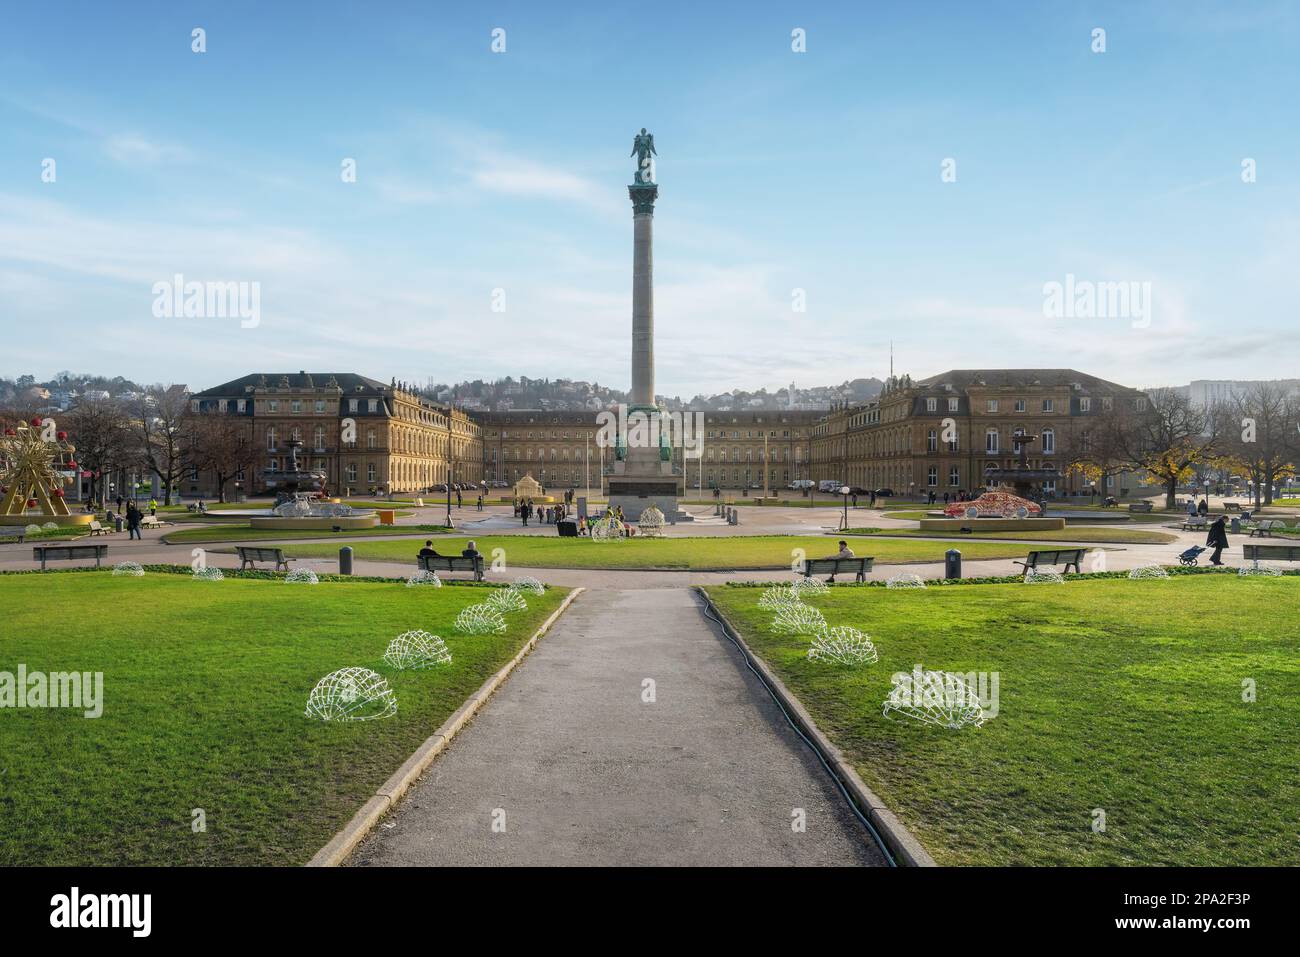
(798, 484)
(884, 492)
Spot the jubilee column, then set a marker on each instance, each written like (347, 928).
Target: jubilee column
(643, 470)
(643, 193)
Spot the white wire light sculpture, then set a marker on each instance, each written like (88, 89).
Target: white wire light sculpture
(1044, 576)
(809, 586)
(798, 619)
(1149, 570)
(423, 577)
(301, 576)
(608, 529)
(351, 694)
(777, 596)
(507, 600)
(651, 522)
(530, 584)
(843, 645)
(935, 697)
(208, 573)
(32, 529)
(132, 569)
(1268, 571)
(480, 619)
(50, 527)
(905, 580)
(414, 650)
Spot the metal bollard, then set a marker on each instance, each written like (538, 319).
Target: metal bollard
(345, 560)
(952, 563)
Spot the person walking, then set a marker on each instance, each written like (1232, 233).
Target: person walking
(479, 504)
(153, 506)
(458, 500)
(133, 517)
(1218, 538)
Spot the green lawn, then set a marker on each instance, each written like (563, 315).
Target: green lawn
(246, 533)
(1071, 533)
(204, 690)
(704, 552)
(1113, 694)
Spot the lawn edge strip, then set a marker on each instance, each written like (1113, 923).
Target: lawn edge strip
(342, 844)
(902, 843)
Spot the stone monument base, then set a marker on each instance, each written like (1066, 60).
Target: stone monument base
(634, 494)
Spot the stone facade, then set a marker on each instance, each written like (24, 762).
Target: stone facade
(897, 441)
(560, 449)
(398, 440)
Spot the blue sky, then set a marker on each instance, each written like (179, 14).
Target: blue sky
(818, 171)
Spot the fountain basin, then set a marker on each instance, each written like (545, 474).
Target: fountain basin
(322, 522)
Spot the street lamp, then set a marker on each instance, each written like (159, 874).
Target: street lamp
(844, 522)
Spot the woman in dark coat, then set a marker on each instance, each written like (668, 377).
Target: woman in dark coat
(1218, 538)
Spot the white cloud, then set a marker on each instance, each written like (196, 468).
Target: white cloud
(131, 149)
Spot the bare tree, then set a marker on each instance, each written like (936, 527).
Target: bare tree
(158, 414)
(220, 443)
(1165, 434)
(1259, 437)
(100, 430)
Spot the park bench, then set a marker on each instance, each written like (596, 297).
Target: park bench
(1284, 553)
(1266, 527)
(1232, 506)
(1053, 556)
(451, 563)
(1192, 524)
(19, 537)
(1140, 506)
(152, 521)
(69, 553)
(251, 554)
(97, 529)
(836, 566)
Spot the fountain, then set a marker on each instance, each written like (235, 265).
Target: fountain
(304, 510)
(998, 509)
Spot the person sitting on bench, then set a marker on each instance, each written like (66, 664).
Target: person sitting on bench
(845, 551)
(470, 551)
(427, 551)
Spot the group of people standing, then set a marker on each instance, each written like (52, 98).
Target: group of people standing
(545, 514)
